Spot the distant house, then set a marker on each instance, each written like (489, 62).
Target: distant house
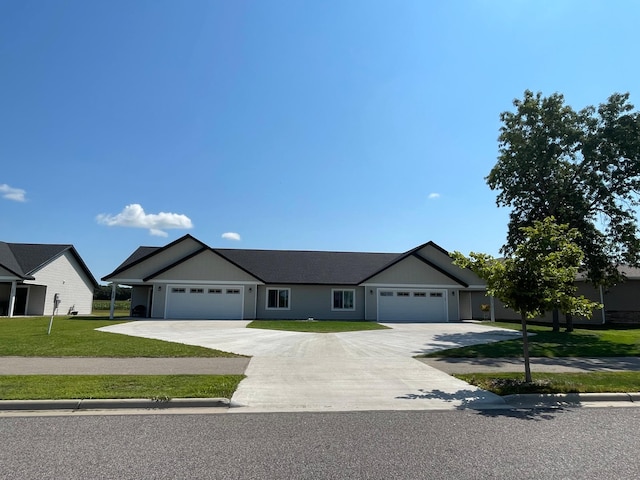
(32, 274)
(187, 279)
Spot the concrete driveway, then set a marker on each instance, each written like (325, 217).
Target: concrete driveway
(370, 370)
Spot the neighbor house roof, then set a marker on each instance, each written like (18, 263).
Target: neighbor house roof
(25, 259)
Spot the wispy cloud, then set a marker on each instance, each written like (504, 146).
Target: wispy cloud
(10, 193)
(231, 236)
(433, 196)
(134, 216)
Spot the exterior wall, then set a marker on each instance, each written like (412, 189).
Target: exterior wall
(65, 276)
(159, 295)
(205, 267)
(36, 300)
(159, 261)
(311, 301)
(412, 271)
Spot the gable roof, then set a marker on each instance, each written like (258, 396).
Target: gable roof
(414, 252)
(24, 259)
(143, 253)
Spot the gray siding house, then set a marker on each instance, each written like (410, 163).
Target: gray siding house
(187, 279)
(32, 274)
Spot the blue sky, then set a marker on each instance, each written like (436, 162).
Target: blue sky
(340, 125)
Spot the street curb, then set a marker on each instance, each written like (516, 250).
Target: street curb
(112, 404)
(567, 399)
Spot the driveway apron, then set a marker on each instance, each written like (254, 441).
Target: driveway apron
(369, 370)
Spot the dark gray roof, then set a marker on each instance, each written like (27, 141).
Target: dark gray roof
(24, 259)
(308, 267)
(286, 266)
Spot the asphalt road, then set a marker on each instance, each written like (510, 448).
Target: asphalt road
(553, 444)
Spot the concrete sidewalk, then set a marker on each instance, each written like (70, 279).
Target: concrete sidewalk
(538, 364)
(122, 366)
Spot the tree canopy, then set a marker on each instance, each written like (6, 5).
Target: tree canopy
(583, 168)
(537, 277)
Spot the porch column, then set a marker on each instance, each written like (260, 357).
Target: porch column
(112, 307)
(12, 298)
(492, 305)
(604, 315)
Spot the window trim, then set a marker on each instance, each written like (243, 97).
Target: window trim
(343, 290)
(269, 289)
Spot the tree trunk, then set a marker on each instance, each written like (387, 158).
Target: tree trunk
(569, 320)
(556, 320)
(525, 350)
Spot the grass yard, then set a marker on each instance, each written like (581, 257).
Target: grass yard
(161, 387)
(594, 382)
(316, 326)
(545, 343)
(76, 337)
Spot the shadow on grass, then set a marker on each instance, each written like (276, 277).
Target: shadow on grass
(495, 344)
(447, 341)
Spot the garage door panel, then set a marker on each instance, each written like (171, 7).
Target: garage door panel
(397, 305)
(205, 302)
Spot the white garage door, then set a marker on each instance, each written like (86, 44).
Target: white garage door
(396, 305)
(205, 302)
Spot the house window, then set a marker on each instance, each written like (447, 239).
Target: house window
(197, 290)
(178, 290)
(343, 299)
(278, 298)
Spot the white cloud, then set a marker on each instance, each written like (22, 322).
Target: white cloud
(134, 216)
(433, 196)
(231, 236)
(10, 193)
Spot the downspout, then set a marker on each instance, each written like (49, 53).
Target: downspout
(12, 298)
(604, 317)
(112, 307)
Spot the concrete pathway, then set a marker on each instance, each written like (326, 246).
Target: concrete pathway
(538, 364)
(370, 370)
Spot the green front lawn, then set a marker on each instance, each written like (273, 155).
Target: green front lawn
(77, 337)
(161, 387)
(594, 382)
(316, 326)
(545, 343)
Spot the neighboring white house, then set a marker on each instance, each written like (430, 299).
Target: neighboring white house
(32, 274)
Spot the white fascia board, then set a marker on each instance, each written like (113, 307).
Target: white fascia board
(202, 282)
(407, 285)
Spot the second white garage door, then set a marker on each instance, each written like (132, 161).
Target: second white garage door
(397, 305)
(205, 302)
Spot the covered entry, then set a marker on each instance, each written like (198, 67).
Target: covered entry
(412, 305)
(205, 302)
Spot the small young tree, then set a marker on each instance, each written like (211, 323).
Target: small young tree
(537, 277)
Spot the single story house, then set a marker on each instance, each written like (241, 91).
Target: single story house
(31, 275)
(187, 279)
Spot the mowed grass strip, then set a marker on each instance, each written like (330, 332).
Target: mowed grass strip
(593, 382)
(545, 343)
(76, 337)
(62, 387)
(316, 326)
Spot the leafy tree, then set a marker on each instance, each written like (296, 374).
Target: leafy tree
(583, 168)
(537, 277)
